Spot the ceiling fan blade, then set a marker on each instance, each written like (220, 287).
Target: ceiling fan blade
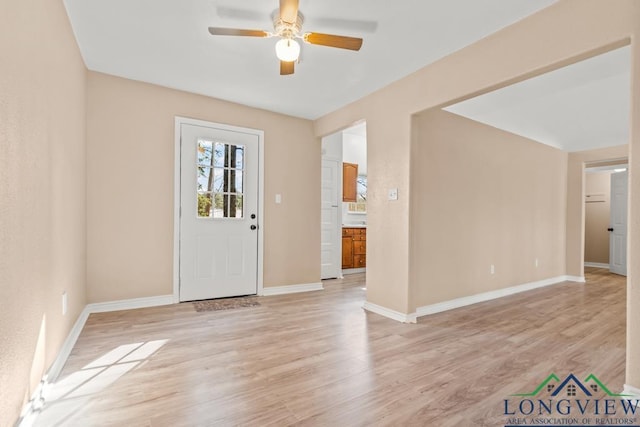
(289, 11)
(287, 68)
(342, 42)
(217, 31)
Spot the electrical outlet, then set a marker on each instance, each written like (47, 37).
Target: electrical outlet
(64, 303)
(278, 198)
(492, 269)
(393, 194)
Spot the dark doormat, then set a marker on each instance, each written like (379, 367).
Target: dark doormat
(225, 304)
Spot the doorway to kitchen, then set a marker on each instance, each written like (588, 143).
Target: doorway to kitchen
(344, 202)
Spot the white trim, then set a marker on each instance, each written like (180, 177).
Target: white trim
(291, 289)
(595, 163)
(129, 304)
(261, 198)
(391, 314)
(176, 210)
(333, 158)
(353, 270)
(176, 197)
(67, 346)
(609, 168)
(30, 410)
(487, 296)
(631, 390)
(596, 264)
(577, 279)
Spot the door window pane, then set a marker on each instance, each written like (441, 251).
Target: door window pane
(239, 164)
(219, 154)
(204, 152)
(220, 180)
(204, 205)
(203, 178)
(239, 209)
(238, 182)
(218, 208)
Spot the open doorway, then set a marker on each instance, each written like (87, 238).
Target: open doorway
(605, 209)
(344, 202)
(581, 109)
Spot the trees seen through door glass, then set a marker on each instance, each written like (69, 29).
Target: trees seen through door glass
(220, 179)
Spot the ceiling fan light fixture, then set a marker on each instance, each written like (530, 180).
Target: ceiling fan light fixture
(287, 50)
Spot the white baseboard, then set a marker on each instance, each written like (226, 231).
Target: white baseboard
(391, 314)
(354, 270)
(596, 265)
(291, 289)
(30, 410)
(67, 346)
(632, 390)
(128, 304)
(487, 296)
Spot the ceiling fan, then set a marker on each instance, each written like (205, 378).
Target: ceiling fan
(287, 24)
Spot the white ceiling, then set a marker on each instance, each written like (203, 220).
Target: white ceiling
(580, 107)
(166, 42)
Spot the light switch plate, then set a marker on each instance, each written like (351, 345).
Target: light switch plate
(278, 198)
(393, 194)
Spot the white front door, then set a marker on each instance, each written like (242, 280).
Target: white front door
(330, 249)
(618, 227)
(219, 208)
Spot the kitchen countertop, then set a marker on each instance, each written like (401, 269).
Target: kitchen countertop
(354, 225)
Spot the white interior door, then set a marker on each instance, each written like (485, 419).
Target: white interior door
(219, 208)
(618, 227)
(330, 222)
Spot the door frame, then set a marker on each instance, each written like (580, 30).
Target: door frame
(179, 121)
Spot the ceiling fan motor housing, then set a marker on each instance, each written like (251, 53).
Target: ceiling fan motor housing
(287, 29)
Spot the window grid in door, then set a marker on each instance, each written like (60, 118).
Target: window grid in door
(220, 179)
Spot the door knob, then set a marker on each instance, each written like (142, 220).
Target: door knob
(253, 226)
(609, 229)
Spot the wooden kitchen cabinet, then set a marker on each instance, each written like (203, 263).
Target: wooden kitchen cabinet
(347, 252)
(349, 182)
(354, 248)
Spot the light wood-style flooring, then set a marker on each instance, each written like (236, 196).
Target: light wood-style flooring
(318, 359)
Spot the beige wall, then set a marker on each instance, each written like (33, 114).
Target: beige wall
(482, 196)
(130, 173)
(42, 193)
(565, 32)
(633, 232)
(42, 81)
(596, 217)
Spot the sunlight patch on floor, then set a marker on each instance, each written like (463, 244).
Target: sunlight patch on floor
(68, 396)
